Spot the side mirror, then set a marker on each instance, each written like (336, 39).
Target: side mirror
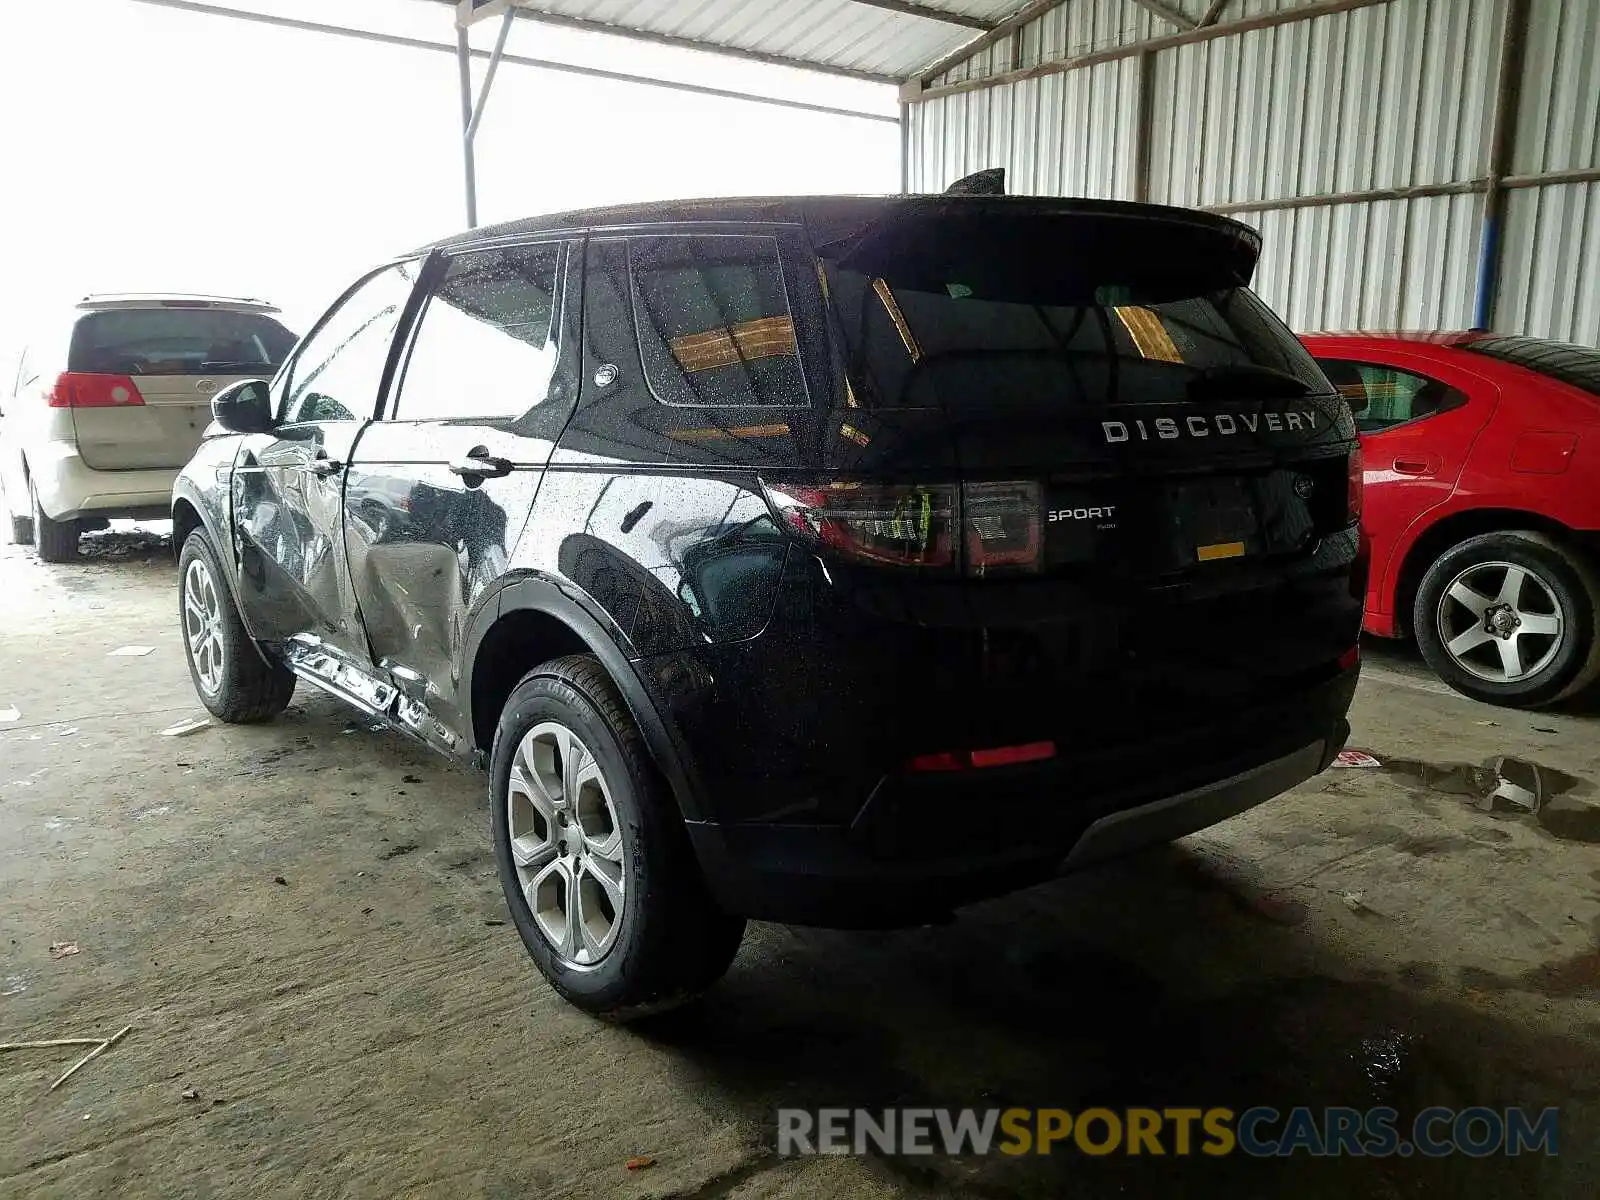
(243, 407)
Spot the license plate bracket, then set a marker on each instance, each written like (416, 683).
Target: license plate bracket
(1214, 518)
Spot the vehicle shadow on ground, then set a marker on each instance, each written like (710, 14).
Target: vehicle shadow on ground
(1142, 985)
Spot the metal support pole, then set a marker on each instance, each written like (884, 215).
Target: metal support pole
(488, 76)
(905, 148)
(1145, 116)
(468, 162)
(1502, 148)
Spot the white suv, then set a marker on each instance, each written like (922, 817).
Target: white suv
(103, 412)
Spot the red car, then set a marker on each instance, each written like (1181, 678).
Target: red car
(1482, 464)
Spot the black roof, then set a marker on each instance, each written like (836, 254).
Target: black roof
(831, 218)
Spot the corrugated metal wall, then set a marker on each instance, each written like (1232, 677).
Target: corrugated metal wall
(1390, 97)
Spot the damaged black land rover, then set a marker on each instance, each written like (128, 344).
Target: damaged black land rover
(833, 561)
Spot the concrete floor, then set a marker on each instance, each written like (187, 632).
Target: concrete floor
(302, 922)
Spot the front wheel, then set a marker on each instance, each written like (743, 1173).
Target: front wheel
(1510, 619)
(234, 681)
(597, 869)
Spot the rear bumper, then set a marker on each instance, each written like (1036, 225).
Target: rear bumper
(923, 846)
(68, 488)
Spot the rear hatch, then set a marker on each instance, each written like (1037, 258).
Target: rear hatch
(1152, 478)
(140, 379)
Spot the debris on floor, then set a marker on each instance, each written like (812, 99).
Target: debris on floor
(1355, 758)
(60, 950)
(185, 728)
(280, 881)
(13, 985)
(131, 651)
(88, 1058)
(640, 1161)
(9, 713)
(191, 1093)
(1506, 786)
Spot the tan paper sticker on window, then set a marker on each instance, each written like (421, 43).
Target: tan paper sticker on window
(765, 337)
(1149, 335)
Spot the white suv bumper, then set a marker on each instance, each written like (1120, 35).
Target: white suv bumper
(67, 488)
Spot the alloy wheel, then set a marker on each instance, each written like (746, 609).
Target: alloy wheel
(202, 626)
(1500, 622)
(566, 843)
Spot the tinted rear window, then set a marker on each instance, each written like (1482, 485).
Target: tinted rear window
(178, 341)
(1578, 366)
(1052, 313)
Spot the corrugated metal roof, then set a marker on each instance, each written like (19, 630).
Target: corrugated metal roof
(882, 39)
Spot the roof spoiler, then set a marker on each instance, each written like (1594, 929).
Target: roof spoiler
(991, 182)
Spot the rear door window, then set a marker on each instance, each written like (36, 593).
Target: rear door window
(178, 341)
(1052, 312)
(714, 321)
(1382, 396)
(486, 347)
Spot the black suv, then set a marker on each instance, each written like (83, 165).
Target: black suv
(833, 560)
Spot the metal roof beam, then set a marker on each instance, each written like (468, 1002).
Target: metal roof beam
(1028, 13)
(393, 39)
(1212, 13)
(585, 24)
(909, 9)
(1059, 66)
(1166, 13)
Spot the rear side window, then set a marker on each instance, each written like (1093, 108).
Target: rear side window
(1382, 397)
(178, 341)
(715, 327)
(485, 346)
(1576, 366)
(1038, 314)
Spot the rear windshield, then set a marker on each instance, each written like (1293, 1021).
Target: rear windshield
(178, 341)
(1577, 366)
(978, 318)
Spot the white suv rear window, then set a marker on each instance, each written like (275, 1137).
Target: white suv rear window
(178, 341)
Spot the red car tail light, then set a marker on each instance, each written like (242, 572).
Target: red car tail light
(81, 389)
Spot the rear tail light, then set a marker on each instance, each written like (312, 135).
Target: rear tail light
(916, 525)
(1355, 483)
(81, 389)
(1000, 523)
(999, 756)
(911, 526)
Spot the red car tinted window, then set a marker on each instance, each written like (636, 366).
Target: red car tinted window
(1382, 397)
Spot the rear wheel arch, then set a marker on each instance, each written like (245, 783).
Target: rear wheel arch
(533, 623)
(1456, 528)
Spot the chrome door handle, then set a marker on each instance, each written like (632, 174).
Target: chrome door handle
(480, 465)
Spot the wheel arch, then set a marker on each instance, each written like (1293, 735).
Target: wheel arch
(1458, 527)
(536, 621)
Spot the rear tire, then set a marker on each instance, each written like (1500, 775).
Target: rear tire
(581, 820)
(1511, 619)
(56, 541)
(230, 675)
